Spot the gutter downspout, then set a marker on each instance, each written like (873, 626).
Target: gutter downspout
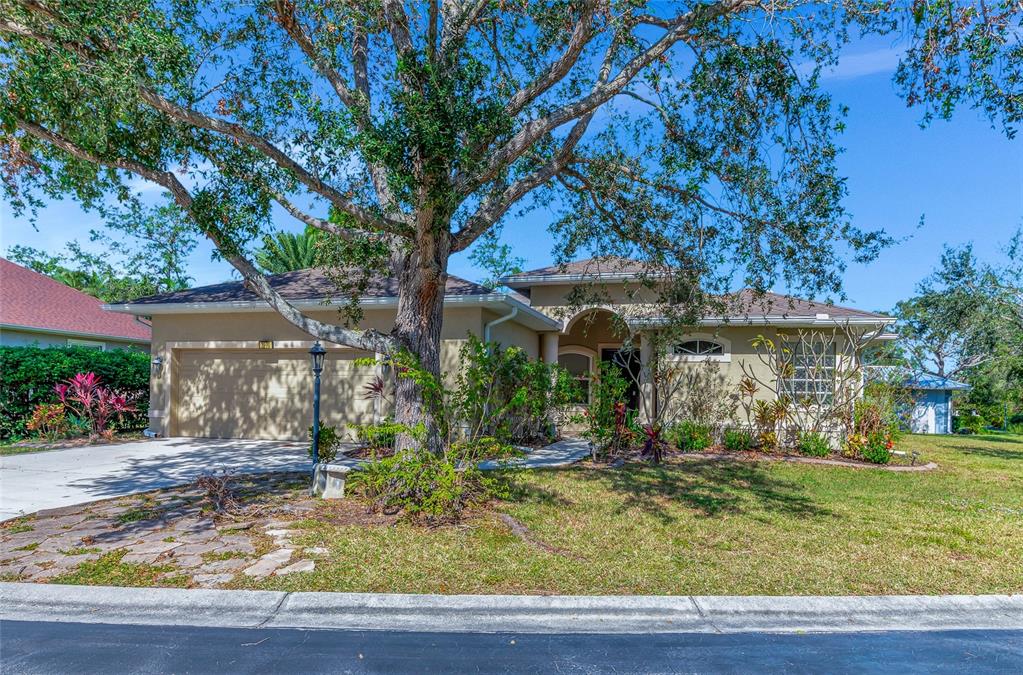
(502, 319)
(486, 333)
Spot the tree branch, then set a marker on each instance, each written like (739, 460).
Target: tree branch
(362, 215)
(560, 68)
(603, 91)
(497, 204)
(368, 340)
(286, 19)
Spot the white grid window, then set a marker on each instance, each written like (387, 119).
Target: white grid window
(808, 371)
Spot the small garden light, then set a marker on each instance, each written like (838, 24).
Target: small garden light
(318, 353)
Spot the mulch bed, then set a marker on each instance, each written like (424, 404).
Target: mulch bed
(720, 454)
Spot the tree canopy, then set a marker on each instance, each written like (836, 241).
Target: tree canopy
(966, 322)
(694, 135)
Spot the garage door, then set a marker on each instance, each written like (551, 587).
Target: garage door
(265, 393)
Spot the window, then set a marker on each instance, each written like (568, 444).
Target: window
(579, 366)
(808, 371)
(703, 347)
(91, 344)
(699, 348)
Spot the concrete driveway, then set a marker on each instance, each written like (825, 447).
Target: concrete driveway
(44, 480)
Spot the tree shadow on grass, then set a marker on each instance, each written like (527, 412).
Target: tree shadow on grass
(711, 488)
(994, 453)
(514, 489)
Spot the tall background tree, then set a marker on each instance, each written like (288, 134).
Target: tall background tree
(144, 251)
(693, 135)
(287, 252)
(966, 322)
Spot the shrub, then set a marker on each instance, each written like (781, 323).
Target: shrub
(969, 424)
(503, 394)
(28, 376)
(422, 485)
(609, 424)
(690, 436)
(814, 444)
(85, 395)
(738, 440)
(330, 443)
(379, 437)
(877, 449)
(767, 415)
(873, 416)
(50, 421)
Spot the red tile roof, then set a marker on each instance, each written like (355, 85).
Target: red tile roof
(32, 300)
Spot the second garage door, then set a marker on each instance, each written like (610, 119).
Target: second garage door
(266, 393)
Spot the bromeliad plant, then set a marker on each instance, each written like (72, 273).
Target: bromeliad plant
(85, 396)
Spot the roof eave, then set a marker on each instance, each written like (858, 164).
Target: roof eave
(523, 281)
(75, 333)
(527, 315)
(788, 321)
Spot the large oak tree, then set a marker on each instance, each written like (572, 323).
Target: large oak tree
(691, 134)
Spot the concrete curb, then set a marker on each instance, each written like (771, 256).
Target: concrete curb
(507, 613)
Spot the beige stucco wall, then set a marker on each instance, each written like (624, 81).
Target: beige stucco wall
(510, 333)
(553, 299)
(179, 339)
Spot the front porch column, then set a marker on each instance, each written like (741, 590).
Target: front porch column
(647, 399)
(549, 347)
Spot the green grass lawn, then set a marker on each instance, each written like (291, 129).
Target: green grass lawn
(705, 527)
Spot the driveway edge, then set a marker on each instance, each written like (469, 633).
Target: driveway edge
(507, 613)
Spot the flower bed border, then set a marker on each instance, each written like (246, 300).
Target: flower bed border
(737, 457)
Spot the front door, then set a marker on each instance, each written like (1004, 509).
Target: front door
(627, 361)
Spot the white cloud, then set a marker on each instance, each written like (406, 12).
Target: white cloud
(851, 66)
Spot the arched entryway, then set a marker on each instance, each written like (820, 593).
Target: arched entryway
(595, 339)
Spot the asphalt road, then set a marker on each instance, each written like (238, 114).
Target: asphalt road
(38, 647)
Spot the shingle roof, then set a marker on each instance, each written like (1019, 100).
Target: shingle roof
(309, 284)
(33, 300)
(604, 265)
(775, 304)
(743, 302)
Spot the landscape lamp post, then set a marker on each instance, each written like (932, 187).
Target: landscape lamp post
(317, 352)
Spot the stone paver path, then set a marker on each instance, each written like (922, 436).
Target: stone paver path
(168, 532)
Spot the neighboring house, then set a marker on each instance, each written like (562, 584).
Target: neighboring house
(38, 310)
(932, 403)
(226, 365)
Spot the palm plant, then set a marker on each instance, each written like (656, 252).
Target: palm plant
(287, 252)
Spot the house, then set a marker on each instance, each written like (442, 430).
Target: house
(226, 365)
(38, 310)
(932, 403)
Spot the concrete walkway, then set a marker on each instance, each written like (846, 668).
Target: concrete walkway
(563, 453)
(509, 613)
(34, 481)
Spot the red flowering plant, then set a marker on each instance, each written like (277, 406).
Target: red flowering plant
(85, 396)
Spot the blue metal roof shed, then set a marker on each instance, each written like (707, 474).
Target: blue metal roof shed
(932, 412)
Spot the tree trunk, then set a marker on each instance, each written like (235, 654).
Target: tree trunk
(422, 280)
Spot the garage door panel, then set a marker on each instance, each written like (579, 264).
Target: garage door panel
(262, 394)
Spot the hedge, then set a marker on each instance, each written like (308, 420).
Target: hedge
(28, 375)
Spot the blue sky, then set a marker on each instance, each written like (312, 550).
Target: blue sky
(963, 177)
